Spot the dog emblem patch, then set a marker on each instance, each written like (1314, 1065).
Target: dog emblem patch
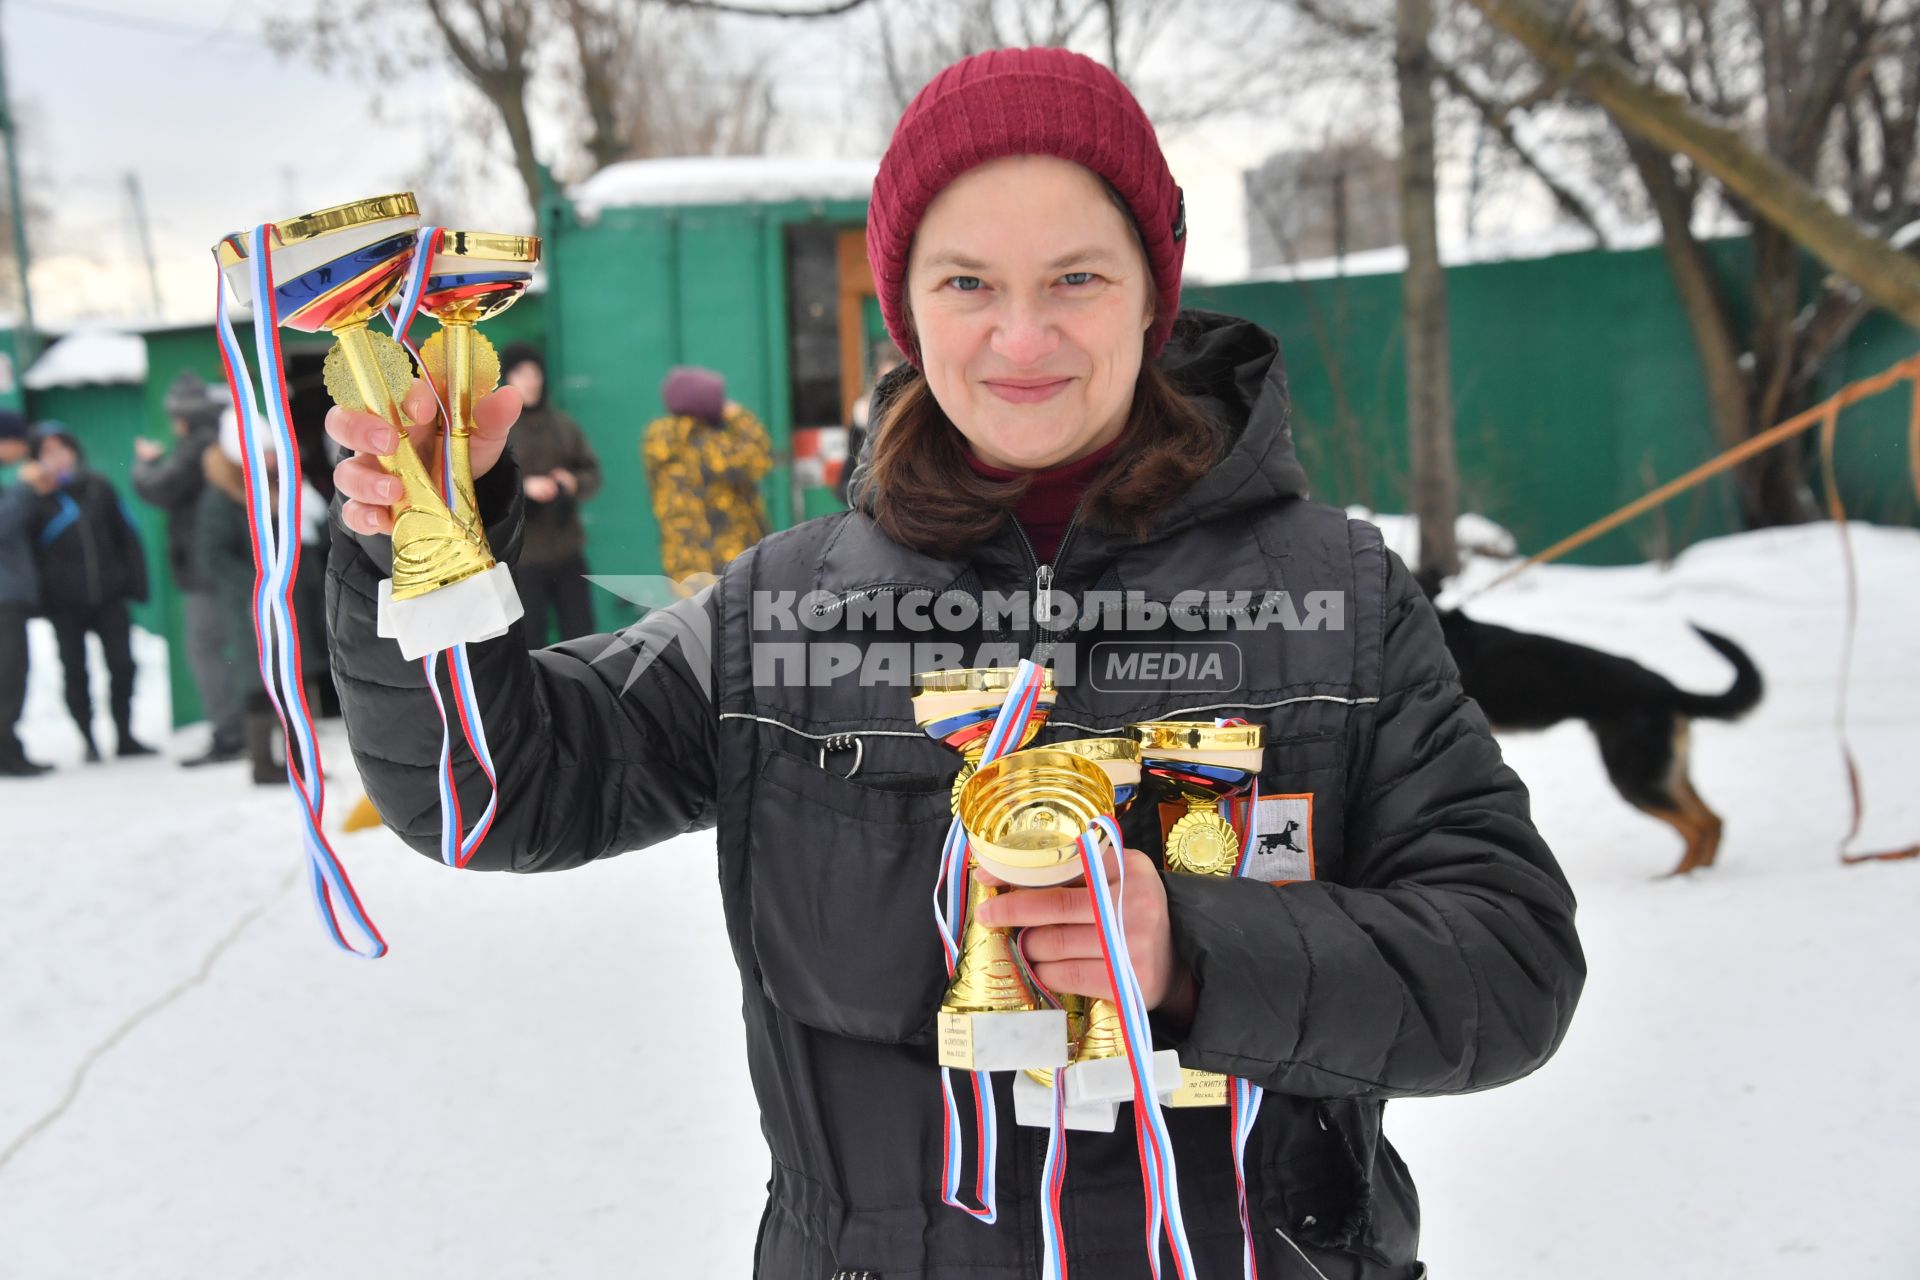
(1283, 846)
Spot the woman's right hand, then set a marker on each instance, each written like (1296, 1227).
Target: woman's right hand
(371, 491)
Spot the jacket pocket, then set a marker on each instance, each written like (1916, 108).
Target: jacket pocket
(841, 873)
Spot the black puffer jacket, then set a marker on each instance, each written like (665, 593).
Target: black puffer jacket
(1432, 950)
(87, 546)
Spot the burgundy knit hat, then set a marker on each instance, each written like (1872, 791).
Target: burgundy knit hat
(693, 392)
(1023, 102)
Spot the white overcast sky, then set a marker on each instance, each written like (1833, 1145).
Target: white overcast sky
(222, 134)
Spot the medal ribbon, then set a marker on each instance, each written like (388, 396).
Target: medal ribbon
(1246, 1094)
(457, 846)
(274, 533)
(1161, 1182)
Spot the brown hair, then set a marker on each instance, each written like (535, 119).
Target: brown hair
(926, 496)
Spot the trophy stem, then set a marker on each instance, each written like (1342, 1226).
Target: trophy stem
(987, 978)
(374, 380)
(459, 338)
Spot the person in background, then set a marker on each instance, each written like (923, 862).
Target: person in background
(704, 462)
(223, 556)
(172, 480)
(559, 471)
(19, 587)
(886, 358)
(91, 567)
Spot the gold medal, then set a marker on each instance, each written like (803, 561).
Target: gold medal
(967, 768)
(1202, 843)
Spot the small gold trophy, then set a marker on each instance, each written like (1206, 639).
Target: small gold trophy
(960, 707)
(1202, 763)
(990, 1002)
(1023, 815)
(333, 271)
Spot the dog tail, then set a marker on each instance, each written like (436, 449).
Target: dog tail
(1742, 697)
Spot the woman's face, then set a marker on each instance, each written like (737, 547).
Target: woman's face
(1031, 300)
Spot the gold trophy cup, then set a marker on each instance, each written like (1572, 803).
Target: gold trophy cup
(1023, 814)
(958, 707)
(1202, 762)
(333, 271)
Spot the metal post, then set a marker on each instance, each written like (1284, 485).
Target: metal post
(145, 237)
(25, 342)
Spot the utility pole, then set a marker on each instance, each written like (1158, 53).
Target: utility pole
(145, 238)
(26, 341)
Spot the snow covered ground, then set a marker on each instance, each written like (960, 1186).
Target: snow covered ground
(545, 1077)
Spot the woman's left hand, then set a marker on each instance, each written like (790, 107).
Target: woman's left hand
(1062, 940)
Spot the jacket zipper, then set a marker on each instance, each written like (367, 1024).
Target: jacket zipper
(1043, 573)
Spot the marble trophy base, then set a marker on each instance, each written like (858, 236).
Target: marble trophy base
(1095, 1092)
(1003, 1041)
(471, 610)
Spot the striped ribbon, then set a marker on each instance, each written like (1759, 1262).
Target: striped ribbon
(1160, 1179)
(457, 845)
(1246, 1094)
(1020, 706)
(275, 537)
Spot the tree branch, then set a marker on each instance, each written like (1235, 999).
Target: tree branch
(1497, 117)
(1774, 191)
(766, 11)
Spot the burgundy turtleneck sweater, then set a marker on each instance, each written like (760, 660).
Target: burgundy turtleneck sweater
(1047, 508)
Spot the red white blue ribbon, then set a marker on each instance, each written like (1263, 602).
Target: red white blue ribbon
(1159, 1176)
(457, 845)
(1245, 1105)
(275, 536)
(1247, 1095)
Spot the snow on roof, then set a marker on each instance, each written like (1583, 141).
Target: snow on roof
(722, 180)
(88, 356)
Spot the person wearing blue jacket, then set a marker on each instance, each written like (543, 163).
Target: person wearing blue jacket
(19, 587)
(91, 567)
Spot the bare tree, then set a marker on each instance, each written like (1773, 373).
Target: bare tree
(650, 85)
(621, 64)
(1811, 104)
(1786, 105)
(1186, 60)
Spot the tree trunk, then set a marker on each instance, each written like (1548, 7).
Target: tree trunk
(512, 106)
(1436, 477)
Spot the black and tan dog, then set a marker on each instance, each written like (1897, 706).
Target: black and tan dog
(1525, 681)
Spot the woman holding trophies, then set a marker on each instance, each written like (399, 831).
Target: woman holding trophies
(1060, 430)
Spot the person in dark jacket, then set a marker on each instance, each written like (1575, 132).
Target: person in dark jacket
(223, 557)
(1065, 433)
(704, 463)
(172, 480)
(92, 567)
(19, 586)
(886, 358)
(559, 471)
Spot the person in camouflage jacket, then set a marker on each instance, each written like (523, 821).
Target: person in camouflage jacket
(704, 462)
